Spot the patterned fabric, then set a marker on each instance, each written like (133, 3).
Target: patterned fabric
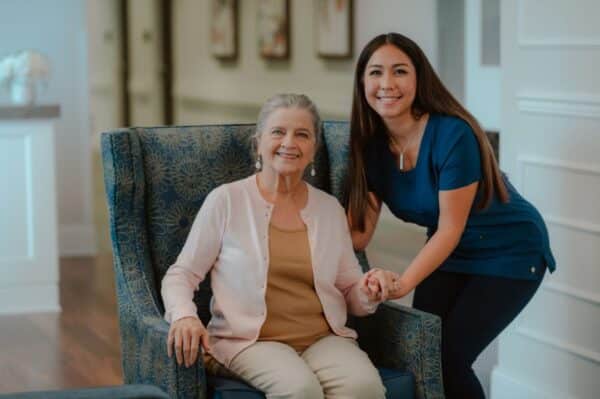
(156, 180)
(111, 392)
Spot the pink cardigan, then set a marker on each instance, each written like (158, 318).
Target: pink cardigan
(229, 238)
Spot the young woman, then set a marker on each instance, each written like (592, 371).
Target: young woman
(283, 273)
(416, 149)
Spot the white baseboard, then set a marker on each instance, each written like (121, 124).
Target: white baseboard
(504, 386)
(77, 240)
(34, 298)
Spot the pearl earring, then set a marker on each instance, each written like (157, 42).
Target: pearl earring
(258, 164)
(313, 172)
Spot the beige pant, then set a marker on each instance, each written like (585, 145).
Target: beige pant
(333, 367)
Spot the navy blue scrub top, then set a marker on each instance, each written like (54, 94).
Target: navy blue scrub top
(506, 239)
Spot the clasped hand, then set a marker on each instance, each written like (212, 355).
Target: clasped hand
(380, 285)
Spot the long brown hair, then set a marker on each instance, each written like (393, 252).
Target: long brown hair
(431, 97)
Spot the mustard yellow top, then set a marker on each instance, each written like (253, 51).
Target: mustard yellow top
(294, 312)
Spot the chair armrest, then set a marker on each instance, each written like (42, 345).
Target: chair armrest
(404, 338)
(110, 392)
(151, 365)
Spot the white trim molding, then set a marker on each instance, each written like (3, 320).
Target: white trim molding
(576, 293)
(574, 167)
(573, 349)
(504, 386)
(577, 167)
(572, 224)
(30, 298)
(563, 104)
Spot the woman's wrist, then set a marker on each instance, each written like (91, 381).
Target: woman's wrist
(401, 286)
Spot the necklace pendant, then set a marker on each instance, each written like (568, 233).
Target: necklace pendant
(401, 161)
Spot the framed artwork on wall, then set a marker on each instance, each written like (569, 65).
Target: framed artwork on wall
(224, 29)
(274, 29)
(333, 33)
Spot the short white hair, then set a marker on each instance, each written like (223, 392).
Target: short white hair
(288, 100)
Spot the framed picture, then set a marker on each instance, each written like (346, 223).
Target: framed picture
(274, 29)
(224, 28)
(334, 34)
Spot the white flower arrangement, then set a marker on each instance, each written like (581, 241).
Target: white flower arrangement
(21, 71)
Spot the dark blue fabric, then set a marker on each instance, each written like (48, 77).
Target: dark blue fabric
(399, 385)
(507, 240)
(134, 391)
(474, 310)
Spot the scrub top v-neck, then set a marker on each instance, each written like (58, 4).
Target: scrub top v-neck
(506, 239)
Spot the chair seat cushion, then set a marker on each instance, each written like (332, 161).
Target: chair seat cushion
(399, 385)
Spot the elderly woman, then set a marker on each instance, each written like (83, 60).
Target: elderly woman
(283, 273)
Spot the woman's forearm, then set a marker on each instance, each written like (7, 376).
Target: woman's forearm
(429, 258)
(177, 291)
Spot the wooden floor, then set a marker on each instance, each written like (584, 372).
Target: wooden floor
(78, 347)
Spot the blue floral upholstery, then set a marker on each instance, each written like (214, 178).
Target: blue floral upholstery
(156, 180)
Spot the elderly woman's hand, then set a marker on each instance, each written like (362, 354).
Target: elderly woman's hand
(185, 337)
(376, 284)
(382, 284)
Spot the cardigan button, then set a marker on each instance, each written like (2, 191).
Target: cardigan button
(532, 269)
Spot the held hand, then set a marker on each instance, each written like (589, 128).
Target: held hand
(376, 284)
(388, 284)
(185, 337)
(371, 288)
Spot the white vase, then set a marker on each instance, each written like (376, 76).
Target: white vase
(22, 92)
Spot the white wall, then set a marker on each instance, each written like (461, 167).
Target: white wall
(550, 145)
(209, 90)
(416, 19)
(451, 46)
(57, 29)
(482, 82)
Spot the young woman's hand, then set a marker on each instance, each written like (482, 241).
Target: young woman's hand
(384, 284)
(377, 283)
(185, 337)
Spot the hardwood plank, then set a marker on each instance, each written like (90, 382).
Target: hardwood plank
(78, 347)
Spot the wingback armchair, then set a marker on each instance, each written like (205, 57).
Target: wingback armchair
(156, 180)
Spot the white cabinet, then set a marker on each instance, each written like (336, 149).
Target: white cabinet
(28, 229)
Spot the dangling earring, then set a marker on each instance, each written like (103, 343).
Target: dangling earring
(258, 164)
(313, 172)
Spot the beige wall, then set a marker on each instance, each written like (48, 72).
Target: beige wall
(211, 91)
